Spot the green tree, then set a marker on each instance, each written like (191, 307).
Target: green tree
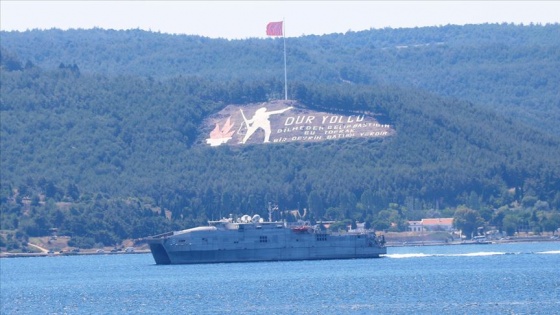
(551, 222)
(510, 224)
(315, 205)
(467, 220)
(72, 191)
(389, 219)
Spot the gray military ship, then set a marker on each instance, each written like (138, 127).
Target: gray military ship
(251, 239)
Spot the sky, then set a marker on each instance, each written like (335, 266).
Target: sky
(248, 19)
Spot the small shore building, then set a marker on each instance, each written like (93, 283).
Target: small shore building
(432, 224)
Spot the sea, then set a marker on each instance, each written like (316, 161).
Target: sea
(513, 278)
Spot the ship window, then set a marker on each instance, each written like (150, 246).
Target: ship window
(263, 239)
(321, 237)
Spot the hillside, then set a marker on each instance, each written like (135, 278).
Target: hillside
(508, 68)
(126, 154)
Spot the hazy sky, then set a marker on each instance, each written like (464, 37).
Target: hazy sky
(244, 19)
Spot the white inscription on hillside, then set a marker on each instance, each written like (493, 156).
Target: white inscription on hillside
(276, 122)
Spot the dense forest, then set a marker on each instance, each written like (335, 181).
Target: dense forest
(506, 67)
(99, 130)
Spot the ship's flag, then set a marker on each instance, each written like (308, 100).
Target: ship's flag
(274, 29)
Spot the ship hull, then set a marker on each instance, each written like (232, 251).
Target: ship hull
(161, 256)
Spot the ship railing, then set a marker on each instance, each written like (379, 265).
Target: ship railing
(162, 235)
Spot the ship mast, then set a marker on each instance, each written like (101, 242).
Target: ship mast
(271, 209)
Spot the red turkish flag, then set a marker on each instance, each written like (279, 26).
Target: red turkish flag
(274, 29)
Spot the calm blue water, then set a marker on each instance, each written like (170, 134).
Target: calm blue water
(467, 279)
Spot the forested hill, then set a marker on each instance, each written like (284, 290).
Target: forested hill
(103, 155)
(509, 68)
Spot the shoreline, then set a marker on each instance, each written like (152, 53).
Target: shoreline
(82, 253)
(388, 244)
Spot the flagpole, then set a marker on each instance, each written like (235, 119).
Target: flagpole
(285, 71)
(279, 29)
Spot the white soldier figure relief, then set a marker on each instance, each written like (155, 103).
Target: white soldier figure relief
(260, 120)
